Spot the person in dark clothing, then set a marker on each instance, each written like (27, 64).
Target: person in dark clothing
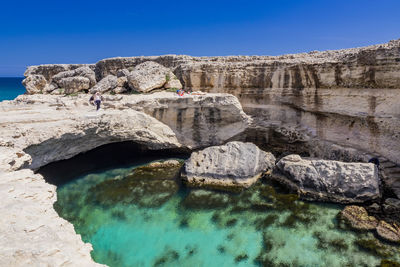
(96, 100)
(375, 161)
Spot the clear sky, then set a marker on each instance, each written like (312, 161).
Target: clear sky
(40, 32)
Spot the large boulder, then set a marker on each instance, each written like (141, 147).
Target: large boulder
(148, 76)
(233, 164)
(329, 180)
(34, 84)
(108, 83)
(85, 72)
(71, 85)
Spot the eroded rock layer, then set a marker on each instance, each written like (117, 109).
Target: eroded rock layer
(334, 104)
(39, 129)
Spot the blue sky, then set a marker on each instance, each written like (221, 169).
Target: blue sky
(40, 32)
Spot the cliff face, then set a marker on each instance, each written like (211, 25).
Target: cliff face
(334, 104)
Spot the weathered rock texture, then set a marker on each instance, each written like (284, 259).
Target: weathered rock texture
(233, 164)
(329, 180)
(50, 128)
(357, 217)
(334, 104)
(39, 129)
(150, 75)
(32, 233)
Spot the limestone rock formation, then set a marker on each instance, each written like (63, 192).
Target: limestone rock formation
(148, 76)
(173, 83)
(84, 72)
(39, 129)
(71, 85)
(357, 218)
(108, 83)
(335, 104)
(232, 164)
(32, 232)
(34, 84)
(197, 120)
(122, 73)
(327, 180)
(47, 128)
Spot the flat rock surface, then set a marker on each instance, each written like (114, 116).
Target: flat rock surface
(329, 180)
(232, 164)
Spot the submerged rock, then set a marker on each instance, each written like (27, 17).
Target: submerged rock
(389, 232)
(203, 199)
(168, 169)
(143, 192)
(149, 186)
(329, 180)
(233, 164)
(357, 218)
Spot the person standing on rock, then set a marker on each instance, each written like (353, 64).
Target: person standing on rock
(96, 100)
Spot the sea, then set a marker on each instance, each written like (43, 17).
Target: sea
(142, 221)
(11, 87)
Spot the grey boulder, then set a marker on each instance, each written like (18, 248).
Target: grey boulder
(233, 164)
(108, 83)
(71, 85)
(85, 72)
(148, 76)
(329, 180)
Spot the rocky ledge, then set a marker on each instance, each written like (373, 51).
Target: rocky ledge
(39, 129)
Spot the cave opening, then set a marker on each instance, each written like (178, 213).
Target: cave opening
(104, 157)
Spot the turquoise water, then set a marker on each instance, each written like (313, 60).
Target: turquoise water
(10, 88)
(145, 220)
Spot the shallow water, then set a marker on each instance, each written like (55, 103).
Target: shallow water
(155, 226)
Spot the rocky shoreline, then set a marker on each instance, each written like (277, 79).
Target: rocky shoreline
(37, 130)
(337, 105)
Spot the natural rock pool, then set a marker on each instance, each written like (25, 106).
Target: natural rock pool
(141, 215)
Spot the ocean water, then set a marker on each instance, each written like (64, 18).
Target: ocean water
(135, 219)
(10, 88)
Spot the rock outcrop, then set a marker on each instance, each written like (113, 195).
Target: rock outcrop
(335, 104)
(50, 128)
(327, 180)
(150, 75)
(39, 129)
(108, 83)
(35, 84)
(32, 233)
(233, 164)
